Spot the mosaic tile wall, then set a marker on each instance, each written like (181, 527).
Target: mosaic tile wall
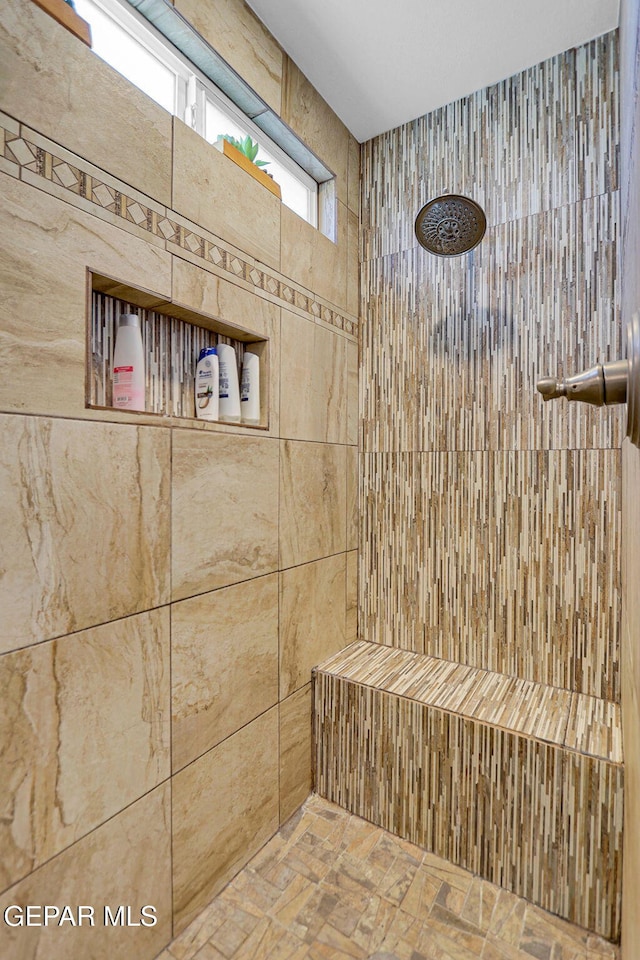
(497, 559)
(490, 520)
(502, 777)
(535, 142)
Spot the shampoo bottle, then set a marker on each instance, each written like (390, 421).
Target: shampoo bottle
(250, 393)
(229, 393)
(207, 384)
(128, 365)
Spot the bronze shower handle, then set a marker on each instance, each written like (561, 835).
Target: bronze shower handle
(606, 383)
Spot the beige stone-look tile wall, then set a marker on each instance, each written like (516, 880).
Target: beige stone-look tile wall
(166, 585)
(233, 29)
(491, 521)
(630, 640)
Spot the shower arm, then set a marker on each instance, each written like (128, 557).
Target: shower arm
(607, 383)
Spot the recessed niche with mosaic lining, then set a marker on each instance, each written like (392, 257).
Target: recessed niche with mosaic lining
(172, 338)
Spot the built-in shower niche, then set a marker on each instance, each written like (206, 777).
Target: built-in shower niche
(172, 337)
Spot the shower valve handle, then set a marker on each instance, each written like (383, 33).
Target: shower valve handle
(602, 385)
(607, 383)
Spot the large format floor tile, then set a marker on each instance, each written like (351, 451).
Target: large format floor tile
(330, 885)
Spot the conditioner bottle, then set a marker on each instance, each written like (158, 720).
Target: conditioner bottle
(250, 392)
(229, 392)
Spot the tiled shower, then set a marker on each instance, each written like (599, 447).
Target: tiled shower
(170, 585)
(490, 731)
(469, 555)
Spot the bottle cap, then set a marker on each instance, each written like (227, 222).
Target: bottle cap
(129, 320)
(206, 351)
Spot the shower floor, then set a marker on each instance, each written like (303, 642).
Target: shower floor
(330, 885)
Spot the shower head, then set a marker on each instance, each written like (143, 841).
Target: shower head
(450, 225)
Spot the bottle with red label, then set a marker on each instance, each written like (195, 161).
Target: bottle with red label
(128, 365)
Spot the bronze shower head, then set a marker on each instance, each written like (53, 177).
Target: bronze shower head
(450, 225)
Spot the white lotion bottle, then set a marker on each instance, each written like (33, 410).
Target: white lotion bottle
(229, 393)
(207, 385)
(250, 388)
(128, 365)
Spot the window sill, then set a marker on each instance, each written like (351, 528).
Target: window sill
(230, 151)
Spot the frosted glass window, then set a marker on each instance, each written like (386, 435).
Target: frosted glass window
(295, 194)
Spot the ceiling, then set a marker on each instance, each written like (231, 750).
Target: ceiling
(380, 63)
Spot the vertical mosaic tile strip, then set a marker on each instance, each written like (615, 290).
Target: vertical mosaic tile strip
(513, 152)
(452, 349)
(424, 542)
(597, 111)
(171, 346)
(506, 561)
(553, 602)
(490, 529)
(536, 818)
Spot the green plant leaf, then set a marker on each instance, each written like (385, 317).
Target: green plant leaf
(232, 140)
(247, 147)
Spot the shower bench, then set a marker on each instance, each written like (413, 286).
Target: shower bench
(517, 781)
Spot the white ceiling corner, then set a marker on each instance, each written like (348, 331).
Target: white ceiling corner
(379, 64)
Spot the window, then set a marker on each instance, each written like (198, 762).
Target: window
(130, 44)
(299, 190)
(120, 38)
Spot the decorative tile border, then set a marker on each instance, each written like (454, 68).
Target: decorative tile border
(537, 818)
(33, 156)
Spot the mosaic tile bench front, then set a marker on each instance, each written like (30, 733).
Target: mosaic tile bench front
(517, 781)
